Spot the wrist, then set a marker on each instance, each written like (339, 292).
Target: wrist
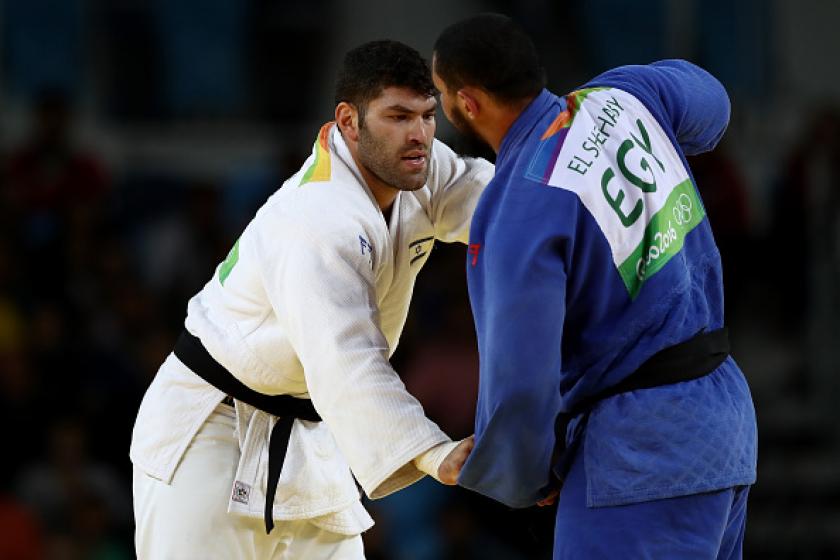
(430, 460)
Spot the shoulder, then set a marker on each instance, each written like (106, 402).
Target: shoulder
(662, 73)
(672, 82)
(307, 235)
(446, 166)
(515, 198)
(321, 210)
(323, 218)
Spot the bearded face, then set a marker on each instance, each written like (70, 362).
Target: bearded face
(464, 127)
(454, 113)
(396, 132)
(404, 167)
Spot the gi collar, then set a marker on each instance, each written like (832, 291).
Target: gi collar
(524, 123)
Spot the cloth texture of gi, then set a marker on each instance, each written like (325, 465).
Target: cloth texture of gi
(188, 517)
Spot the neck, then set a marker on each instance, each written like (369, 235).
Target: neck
(384, 193)
(499, 121)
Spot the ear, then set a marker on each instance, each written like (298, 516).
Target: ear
(469, 101)
(347, 119)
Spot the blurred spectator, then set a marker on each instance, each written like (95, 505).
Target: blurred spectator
(49, 173)
(179, 249)
(52, 188)
(69, 477)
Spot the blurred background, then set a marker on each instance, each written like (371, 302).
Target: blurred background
(137, 138)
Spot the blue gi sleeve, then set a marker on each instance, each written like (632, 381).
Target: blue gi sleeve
(520, 319)
(680, 94)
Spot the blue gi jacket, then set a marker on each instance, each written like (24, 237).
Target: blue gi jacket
(590, 251)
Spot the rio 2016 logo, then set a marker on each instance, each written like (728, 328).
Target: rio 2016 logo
(662, 240)
(682, 209)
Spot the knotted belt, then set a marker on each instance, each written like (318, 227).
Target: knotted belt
(696, 357)
(192, 354)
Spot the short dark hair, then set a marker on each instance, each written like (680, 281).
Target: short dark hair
(370, 68)
(492, 52)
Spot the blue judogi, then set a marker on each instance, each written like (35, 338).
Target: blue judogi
(589, 252)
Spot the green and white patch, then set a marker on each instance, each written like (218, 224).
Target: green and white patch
(622, 165)
(229, 262)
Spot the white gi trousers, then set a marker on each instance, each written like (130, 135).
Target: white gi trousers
(188, 518)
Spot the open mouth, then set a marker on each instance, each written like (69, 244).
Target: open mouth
(415, 159)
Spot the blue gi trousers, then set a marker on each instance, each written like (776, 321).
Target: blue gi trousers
(707, 526)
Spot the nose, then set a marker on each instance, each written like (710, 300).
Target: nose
(421, 132)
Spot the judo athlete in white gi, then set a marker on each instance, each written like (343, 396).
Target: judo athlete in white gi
(310, 303)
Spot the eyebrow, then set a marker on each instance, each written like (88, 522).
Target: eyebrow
(403, 109)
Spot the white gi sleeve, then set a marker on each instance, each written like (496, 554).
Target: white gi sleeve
(456, 184)
(322, 290)
(429, 462)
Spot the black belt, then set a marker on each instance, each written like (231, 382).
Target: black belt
(698, 356)
(192, 353)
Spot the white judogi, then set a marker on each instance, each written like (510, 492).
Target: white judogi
(311, 302)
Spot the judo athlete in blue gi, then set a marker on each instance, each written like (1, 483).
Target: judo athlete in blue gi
(596, 288)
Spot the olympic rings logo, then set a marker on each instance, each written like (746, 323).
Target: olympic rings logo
(682, 209)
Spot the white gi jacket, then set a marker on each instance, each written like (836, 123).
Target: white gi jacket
(311, 302)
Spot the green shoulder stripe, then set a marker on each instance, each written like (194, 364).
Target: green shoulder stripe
(229, 263)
